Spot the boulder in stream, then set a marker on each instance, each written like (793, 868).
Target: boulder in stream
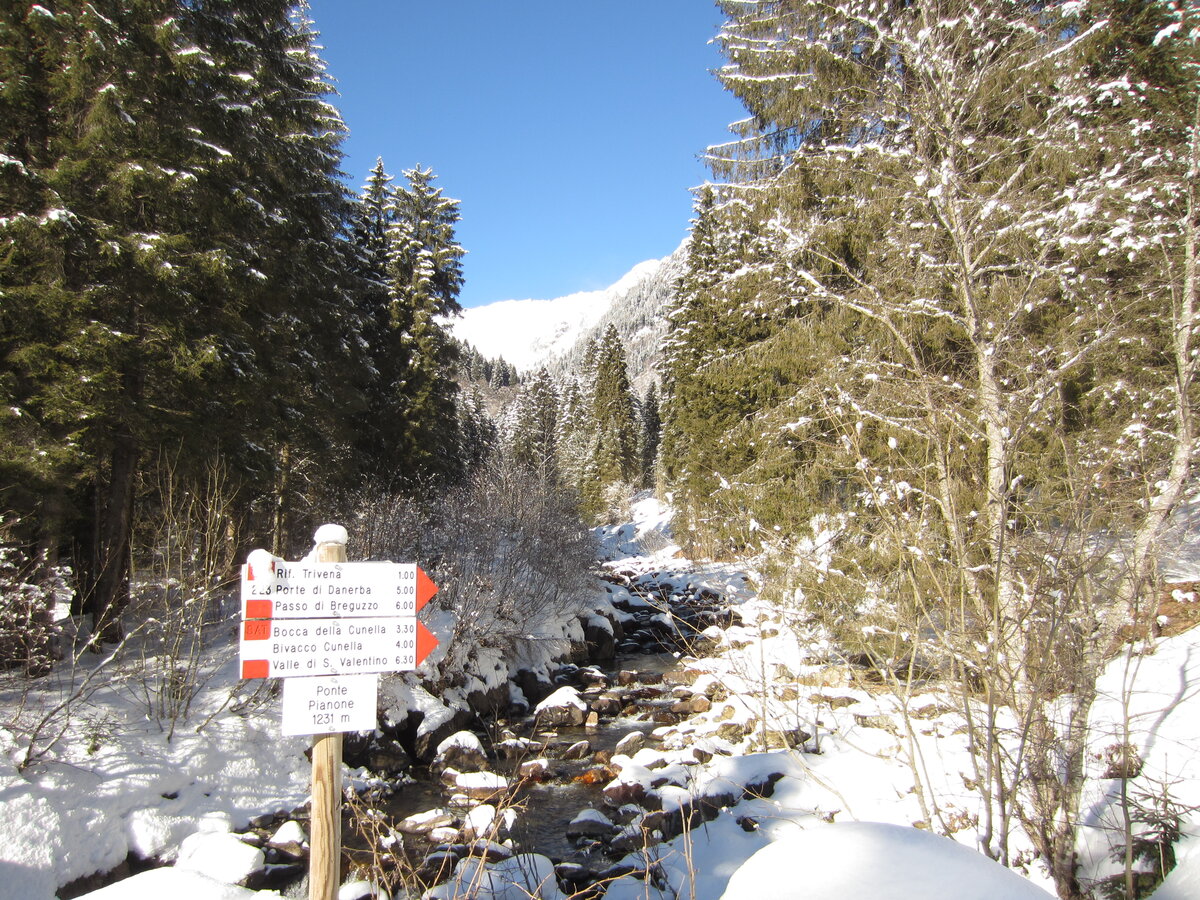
(591, 823)
(425, 822)
(563, 707)
(462, 750)
(578, 750)
(534, 769)
(631, 743)
(481, 785)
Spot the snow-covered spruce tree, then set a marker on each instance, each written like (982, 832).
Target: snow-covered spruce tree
(533, 441)
(303, 299)
(651, 422)
(39, 464)
(425, 276)
(477, 432)
(718, 372)
(181, 262)
(576, 431)
(960, 194)
(615, 449)
(383, 420)
(128, 333)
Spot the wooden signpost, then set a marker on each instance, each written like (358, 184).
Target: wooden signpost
(328, 627)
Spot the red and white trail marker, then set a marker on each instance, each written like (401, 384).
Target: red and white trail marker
(275, 589)
(332, 618)
(282, 648)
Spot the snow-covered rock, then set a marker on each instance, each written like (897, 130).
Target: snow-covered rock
(462, 750)
(874, 861)
(219, 855)
(176, 884)
(563, 707)
(526, 876)
(481, 785)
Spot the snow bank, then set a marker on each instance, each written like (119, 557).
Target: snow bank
(182, 884)
(874, 861)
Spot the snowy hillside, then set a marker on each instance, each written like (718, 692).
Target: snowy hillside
(533, 333)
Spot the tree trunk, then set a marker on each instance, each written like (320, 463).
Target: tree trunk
(279, 504)
(109, 590)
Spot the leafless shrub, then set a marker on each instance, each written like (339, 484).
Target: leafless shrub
(191, 536)
(507, 549)
(28, 634)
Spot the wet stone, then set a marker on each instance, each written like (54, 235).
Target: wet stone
(489, 851)
(515, 748)
(631, 743)
(574, 876)
(387, 756)
(591, 824)
(606, 705)
(437, 866)
(622, 792)
(461, 750)
(578, 750)
(533, 770)
(425, 822)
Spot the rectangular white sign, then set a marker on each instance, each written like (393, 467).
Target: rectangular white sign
(275, 648)
(304, 590)
(330, 704)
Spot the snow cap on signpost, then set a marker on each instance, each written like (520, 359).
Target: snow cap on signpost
(260, 567)
(327, 535)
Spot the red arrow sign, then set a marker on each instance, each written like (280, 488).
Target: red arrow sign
(425, 589)
(426, 641)
(280, 648)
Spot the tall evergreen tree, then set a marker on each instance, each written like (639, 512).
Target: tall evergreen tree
(384, 421)
(535, 430)
(651, 434)
(425, 276)
(191, 295)
(615, 452)
(576, 432)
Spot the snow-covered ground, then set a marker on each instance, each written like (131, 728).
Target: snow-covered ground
(115, 784)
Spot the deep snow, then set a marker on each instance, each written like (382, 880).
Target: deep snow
(114, 784)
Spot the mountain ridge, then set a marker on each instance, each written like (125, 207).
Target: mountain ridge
(553, 333)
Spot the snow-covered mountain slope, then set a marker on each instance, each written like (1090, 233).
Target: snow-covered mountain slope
(534, 333)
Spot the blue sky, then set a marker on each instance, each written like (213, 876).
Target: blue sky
(569, 130)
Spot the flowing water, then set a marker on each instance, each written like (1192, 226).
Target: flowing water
(544, 809)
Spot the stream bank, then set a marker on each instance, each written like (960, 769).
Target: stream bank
(573, 771)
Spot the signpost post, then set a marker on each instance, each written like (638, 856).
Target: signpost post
(337, 624)
(325, 827)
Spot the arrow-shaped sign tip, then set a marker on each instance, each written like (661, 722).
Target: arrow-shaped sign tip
(425, 588)
(426, 642)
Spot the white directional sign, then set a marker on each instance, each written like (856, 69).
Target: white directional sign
(275, 589)
(333, 703)
(277, 648)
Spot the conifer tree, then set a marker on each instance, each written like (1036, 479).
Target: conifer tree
(189, 166)
(651, 434)
(576, 432)
(535, 430)
(425, 276)
(615, 452)
(39, 463)
(383, 422)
